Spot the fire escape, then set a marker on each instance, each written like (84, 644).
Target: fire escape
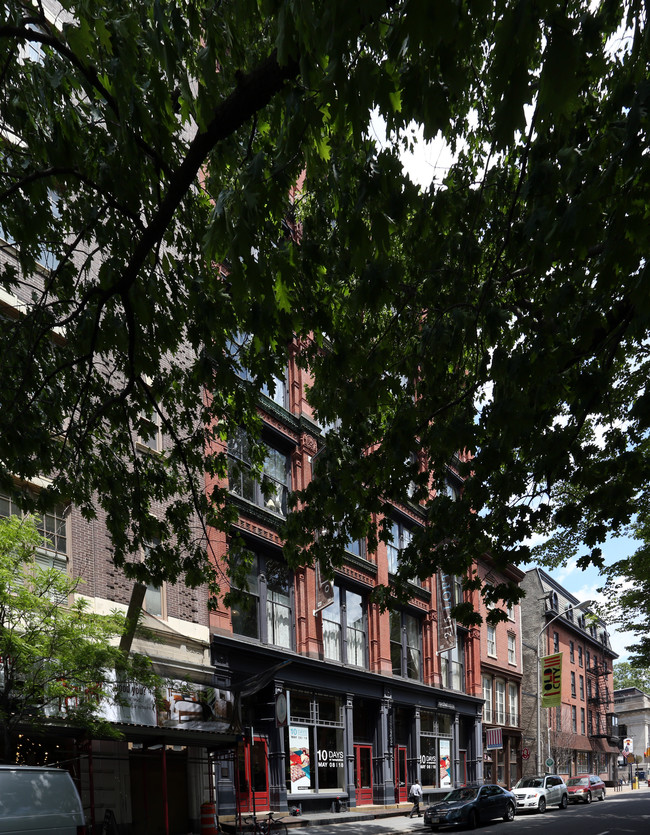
(604, 724)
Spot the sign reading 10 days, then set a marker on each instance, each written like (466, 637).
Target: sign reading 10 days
(333, 759)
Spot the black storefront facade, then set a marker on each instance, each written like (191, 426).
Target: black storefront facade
(351, 737)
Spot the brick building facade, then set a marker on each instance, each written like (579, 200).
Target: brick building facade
(373, 702)
(501, 675)
(581, 735)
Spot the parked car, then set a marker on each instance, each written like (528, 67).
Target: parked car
(39, 801)
(585, 788)
(470, 806)
(537, 793)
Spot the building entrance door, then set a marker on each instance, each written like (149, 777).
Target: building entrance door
(253, 776)
(363, 774)
(401, 789)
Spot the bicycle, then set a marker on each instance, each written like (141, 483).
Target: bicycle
(269, 826)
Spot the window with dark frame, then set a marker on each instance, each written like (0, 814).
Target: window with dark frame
(276, 390)
(264, 611)
(405, 648)
(402, 536)
(344, 628)
(52, 526)
(272, 489)
(452, 664)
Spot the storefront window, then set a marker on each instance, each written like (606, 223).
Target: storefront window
(429, 761)
(331, 773)
(314, 743)
(435, 752)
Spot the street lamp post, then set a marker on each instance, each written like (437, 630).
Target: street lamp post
(586, 603)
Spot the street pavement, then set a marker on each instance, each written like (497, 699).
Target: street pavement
(623, 811)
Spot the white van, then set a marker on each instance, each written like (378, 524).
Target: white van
(39, 801)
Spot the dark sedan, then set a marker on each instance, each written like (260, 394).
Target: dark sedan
(470, 806)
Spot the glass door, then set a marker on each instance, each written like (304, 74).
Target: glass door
(253, 776)
(401, 789)
(363, 774)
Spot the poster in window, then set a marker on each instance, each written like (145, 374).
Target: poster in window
(299, 758)
(445, 763)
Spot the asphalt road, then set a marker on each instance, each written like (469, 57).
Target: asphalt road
(623, 814)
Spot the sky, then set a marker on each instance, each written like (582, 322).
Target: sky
(431, 161)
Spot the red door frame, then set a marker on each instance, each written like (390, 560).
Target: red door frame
(401, 778)
(248, 800)
(364, 793)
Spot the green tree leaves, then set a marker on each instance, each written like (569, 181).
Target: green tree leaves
(56, 657)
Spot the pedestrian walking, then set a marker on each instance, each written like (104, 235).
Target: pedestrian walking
(416, 797)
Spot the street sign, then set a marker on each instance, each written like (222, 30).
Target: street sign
(525, 754)
(549, 762)
(630, 758)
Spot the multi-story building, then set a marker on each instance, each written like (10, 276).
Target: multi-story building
(374, 698)
(632, 707)
(501, 675)
(579, 735)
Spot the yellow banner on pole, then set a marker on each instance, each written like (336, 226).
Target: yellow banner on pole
(552, 680)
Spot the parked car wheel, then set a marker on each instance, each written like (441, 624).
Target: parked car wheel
(564, 802)
(510, 813)
(541, 806)
(472, 821)
(588, 797)
(602, 795)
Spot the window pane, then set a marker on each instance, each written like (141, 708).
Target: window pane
(153, 600)
(355, 546)
(332, 632)
(396, 642)
(331, 773)
(245, 616)
(413, 646)
(278, 583)
(355, 629)
(275, 465)
(428, 761)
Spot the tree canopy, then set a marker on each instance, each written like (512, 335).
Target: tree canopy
(626, 675)
(150, 159)
(57, 659)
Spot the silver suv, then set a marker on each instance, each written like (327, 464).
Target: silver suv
(539, 792)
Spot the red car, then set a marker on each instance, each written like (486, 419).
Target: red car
(585, 788)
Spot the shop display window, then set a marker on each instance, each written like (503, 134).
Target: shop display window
(315, 759)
